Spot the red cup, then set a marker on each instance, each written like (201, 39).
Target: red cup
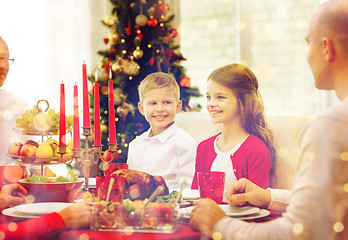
(211, 185)
(109, 168)
(11, 174)
(117, 190)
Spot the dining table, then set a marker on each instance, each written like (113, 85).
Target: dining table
(182, 230)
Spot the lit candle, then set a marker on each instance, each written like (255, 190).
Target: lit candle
(97, 139)
(112, 125)
(86, 119)
(76, 126)
(62, 129)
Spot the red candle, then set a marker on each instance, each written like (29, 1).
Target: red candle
(86, 119)
(112, 125)
(62, 129)
(76, 126)
(97, 139)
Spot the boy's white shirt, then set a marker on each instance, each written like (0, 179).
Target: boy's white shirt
(170, 154)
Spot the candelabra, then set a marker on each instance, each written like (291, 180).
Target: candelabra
(84, 157)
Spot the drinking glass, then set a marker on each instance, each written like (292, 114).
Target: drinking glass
(117, 190)
(211, 185)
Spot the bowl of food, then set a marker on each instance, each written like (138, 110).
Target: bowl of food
(114, 216)
(45, 189)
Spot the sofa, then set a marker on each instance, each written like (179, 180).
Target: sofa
(286, 130)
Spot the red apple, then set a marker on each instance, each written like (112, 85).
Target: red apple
(32, 142)
(28, 152)
(15, 148)
(108, 156)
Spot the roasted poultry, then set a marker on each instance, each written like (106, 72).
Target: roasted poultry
(140, 185)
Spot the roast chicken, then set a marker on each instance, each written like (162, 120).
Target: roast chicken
(140, 185)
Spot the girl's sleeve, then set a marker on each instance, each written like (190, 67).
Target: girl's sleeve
(259, 166)
(44, 227)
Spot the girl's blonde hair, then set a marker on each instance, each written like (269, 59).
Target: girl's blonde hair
(158, 80)
(244, 85)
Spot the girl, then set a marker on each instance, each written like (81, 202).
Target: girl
(244, 148)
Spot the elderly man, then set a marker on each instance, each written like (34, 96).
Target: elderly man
(317, 207)
(11, 107)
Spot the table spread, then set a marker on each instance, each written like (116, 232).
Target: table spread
(183, 231)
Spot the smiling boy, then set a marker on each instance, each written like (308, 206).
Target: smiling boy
(164, 149)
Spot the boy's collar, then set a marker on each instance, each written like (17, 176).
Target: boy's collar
(163, 136)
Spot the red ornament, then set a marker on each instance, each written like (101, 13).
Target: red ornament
(140, 35)
(152, 61)
(128, 31)
(152, 22)
(185, 82)
(108, 66)
(174, 31)
(163, 7)
(106, 40)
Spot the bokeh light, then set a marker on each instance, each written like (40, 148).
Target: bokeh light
(344, 156)
(84, 236)
(338, 227)
(297, 228)
(12, 226)
(213, 23)
(217, 236)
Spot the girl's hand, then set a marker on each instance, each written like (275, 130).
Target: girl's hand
(244, 192)
(12, 194)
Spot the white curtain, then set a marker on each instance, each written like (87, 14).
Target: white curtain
(49, 40)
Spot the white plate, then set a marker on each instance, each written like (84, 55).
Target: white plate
(188, 194)
(91, 182)
(229, 210)
(261, 214)
(41, 208)
(12, 213)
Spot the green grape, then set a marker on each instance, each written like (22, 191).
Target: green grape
(30, 119)
(25, 115)
(52, 113)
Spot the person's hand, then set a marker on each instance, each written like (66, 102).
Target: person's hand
(244, 192)
(205, 214)
(77, 215)
(12, 194)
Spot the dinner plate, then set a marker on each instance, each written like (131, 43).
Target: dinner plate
(12, 213)
(189, 194)
(262, 213)
(229, 210)
(39, 209)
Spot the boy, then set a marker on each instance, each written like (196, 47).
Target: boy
(164, 149)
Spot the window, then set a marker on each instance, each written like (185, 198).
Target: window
(267, 36)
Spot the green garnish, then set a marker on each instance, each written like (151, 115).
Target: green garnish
(43, 179)
(168, 198)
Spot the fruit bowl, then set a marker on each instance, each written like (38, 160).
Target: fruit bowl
(52, 192)
(35, 160)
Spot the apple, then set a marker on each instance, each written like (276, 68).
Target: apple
(32, 142)
(28, 151)
(108, 156)
(15, 148)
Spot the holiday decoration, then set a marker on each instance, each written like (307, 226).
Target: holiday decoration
(140, 42)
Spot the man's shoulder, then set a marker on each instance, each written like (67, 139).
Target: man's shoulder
(10, 98)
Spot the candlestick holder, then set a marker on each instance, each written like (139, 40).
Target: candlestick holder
(87, 156)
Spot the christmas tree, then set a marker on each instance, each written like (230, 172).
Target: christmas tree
(140, 42)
